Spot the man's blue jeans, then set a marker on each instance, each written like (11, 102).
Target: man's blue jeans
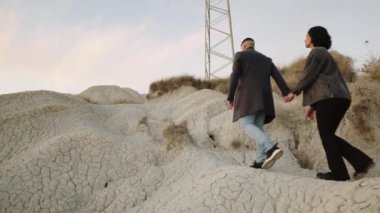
(253, 127)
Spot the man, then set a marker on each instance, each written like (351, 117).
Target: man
(250, 95)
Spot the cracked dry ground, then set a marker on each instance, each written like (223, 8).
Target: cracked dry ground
(61, 154)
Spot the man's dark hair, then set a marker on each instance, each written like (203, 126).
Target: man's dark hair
(247, 39)
(320, 37)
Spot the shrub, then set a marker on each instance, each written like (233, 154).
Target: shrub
(345, 65)
(164, 86)
(362, 111)
(372, 67)
(221, 85)
(236, 144)
(292, 73)
(175, 135)
(144, 121)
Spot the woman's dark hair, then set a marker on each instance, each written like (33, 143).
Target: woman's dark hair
(320, 37)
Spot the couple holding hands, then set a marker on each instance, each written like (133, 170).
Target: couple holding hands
(325, 94)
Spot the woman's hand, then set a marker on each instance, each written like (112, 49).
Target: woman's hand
(309, 112)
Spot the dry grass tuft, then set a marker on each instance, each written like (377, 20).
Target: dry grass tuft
(164, 86)
(236, 144)
(144, 121)
(175, 135)
(293, 72)
(345, 65)
(372, 67)
(360, 121)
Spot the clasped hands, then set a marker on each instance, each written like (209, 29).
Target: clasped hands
(289, 97)
(309, 110)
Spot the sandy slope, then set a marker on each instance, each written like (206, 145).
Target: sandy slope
(59, 153)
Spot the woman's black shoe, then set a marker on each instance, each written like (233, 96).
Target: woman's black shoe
(330, 176)
(362, 172)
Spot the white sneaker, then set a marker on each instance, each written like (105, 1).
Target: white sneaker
(272, 155)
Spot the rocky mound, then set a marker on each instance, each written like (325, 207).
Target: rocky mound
(111, 95)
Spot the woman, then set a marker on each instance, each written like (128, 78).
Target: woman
(325, 92)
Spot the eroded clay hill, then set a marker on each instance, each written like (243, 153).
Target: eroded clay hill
(177, 153)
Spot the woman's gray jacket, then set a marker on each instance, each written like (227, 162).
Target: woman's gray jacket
(321, 78)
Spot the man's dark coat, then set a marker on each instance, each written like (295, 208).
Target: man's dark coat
(250, 87)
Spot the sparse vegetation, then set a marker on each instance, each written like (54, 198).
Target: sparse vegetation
(292, 72)
(164, 86)
(345, 65)
(372, 67)
(361, 111)
(236, 144)
(144, 121)
(175, 135)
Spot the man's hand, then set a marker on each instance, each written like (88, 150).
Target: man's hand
(289, 97)
(230, 104)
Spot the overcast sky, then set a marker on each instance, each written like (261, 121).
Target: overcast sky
(69, 45)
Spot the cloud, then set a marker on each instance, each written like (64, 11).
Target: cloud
(9, 23)
(47, 51)
(62, 59)
(92, 54)
(156, 60)
(38, 53)
(67, 46)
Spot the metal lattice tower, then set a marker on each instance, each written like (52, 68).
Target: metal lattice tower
(219, 45)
